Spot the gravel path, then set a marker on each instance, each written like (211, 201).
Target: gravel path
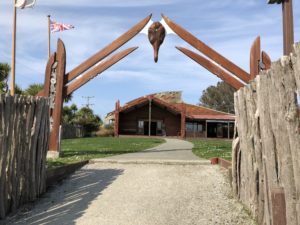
(131, 194)
(165, 185)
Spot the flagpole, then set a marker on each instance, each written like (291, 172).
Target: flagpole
(13, 60)
(49, 37)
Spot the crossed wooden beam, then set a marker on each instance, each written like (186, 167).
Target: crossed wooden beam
(59, 84)
(217, 64)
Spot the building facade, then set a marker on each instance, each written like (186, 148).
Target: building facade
(165, 114)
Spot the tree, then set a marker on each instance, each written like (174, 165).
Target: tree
(33, 89)
(18, 90)
(86, 117)
(220, 97)
(4, 73)
(69, 113)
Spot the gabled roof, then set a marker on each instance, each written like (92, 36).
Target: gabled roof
(145, 99)
(176, 107)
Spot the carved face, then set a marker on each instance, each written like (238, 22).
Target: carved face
(156, 35)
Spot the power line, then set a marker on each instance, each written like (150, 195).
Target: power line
(88, 104)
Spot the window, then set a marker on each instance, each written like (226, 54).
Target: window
(141, 124)
(200, 128)
(194, 127)
(159, 123)
(141, 127)
(190, 127)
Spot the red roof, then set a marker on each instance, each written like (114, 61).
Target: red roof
(192, 111)
(144, 100)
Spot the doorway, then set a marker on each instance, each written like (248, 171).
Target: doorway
(153, 128)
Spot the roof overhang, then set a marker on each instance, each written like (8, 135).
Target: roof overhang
(144, 101)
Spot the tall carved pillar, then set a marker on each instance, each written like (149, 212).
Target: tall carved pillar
(57, 81)
(183, 118)
(117, 116)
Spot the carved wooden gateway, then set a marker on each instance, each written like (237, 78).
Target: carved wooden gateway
(59, 84)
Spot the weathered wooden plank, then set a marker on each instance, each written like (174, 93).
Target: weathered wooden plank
(9, 130)
(3, 158)
(15, 143)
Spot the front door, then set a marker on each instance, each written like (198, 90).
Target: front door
(153, 128)
(220, 130)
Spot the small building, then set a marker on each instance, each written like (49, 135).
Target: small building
(165, 114)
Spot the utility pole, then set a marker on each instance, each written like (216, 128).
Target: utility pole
(288, 24)
(88, 104)
(150, 112)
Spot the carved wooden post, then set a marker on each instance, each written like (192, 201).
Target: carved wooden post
(266, 60)
(278, 206)
(255, 58)
(259, 60)
(117, 116)
(56, 98)
(149, 116)
(183, 118)
(288, 24)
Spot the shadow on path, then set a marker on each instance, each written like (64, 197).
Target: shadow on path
(68, 201)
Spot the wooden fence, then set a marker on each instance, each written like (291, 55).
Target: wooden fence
(72, 131)
(266, 153)
(24, 133)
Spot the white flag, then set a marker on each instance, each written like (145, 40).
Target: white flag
(25, 3)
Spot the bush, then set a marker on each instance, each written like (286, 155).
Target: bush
(106, 131)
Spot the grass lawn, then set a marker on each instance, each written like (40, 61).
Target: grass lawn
(208, 148)
(75, 150)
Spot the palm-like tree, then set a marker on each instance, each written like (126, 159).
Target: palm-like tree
(35, 88)
(4, 73)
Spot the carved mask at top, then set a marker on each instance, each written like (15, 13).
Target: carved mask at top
(156, 35)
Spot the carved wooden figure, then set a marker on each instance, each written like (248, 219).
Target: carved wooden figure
(156, 35)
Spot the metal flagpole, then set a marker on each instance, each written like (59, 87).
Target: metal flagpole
(49, 37)
(13, 60)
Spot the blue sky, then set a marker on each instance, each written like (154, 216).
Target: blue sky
(229, 26)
